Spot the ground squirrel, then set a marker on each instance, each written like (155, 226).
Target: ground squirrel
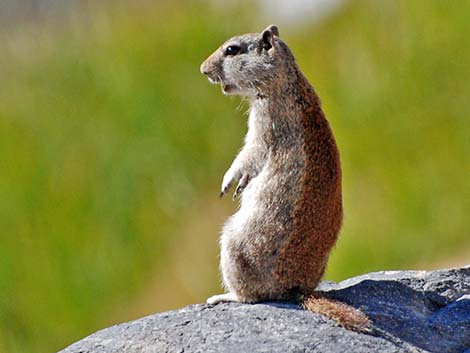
(276, 246)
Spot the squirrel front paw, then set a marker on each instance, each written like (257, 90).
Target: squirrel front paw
(230, 178)
(244, 180)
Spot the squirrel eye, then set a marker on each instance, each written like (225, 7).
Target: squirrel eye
(232, 50)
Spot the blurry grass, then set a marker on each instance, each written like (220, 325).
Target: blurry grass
(109, 137)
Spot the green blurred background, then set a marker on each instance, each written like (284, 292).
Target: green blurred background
(113, 146)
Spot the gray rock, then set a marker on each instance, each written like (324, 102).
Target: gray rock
(412, 311)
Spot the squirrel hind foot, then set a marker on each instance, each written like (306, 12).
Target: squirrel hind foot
(345, 315)
(220, 298)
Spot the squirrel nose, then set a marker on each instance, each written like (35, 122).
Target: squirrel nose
(203, 68)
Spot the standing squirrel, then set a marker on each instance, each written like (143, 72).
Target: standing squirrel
(276, 246)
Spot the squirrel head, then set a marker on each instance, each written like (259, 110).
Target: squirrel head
(252, 64)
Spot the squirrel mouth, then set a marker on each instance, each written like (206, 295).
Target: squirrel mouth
(228, 88)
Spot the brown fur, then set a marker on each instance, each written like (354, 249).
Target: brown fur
(346, 315)
(276, 246)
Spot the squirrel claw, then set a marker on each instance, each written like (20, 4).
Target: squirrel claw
(235, 194)
(224, 190)
(241, 186)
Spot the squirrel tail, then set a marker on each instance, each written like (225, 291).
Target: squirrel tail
(344, 314)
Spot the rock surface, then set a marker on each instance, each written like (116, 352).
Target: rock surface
(412, 311)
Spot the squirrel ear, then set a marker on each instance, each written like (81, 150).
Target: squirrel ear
(268, 36)
(273, 29)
